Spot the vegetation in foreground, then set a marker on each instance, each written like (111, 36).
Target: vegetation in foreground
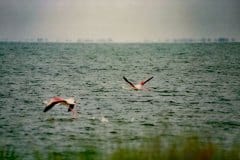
(191, 148)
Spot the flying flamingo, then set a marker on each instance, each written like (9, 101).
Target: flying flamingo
(138, 86)
(70, 103)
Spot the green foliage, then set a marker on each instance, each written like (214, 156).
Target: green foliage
(180, 149)
(7, 153)
(67, 155)
(159, 148)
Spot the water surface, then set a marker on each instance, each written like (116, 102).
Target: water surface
(195, 88)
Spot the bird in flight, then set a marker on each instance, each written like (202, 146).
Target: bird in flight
(138, 86)
(69, 103)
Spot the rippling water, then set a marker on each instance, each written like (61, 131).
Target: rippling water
(196, 88)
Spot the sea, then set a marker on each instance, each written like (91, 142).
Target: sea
(195, 90)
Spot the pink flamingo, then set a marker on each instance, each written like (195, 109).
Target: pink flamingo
(138, 86)
(70, 103)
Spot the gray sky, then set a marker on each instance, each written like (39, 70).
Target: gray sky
(121, 20)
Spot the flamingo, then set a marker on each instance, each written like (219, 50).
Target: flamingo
(138, 86)
(70, 103)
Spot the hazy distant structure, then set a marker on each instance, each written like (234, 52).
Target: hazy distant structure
(41, 40)
(202, 40)
(101, 40)
(222, 40)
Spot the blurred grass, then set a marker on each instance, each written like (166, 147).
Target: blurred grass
(67, 155)
(191, 148)
(178, 148)
(7, 153)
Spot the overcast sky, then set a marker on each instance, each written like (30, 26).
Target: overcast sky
(121, 20)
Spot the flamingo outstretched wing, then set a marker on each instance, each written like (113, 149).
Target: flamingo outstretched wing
(129, 82)
(143, 82)
(51, 105)
(52, 102)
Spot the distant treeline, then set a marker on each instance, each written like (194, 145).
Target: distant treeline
(109, 40)
(204, 40)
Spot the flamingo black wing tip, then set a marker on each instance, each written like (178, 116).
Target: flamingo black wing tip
(147, 80)
(49, 106)
(70, 108)
(45, 109)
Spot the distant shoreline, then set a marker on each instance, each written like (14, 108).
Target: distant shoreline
(235, 42)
